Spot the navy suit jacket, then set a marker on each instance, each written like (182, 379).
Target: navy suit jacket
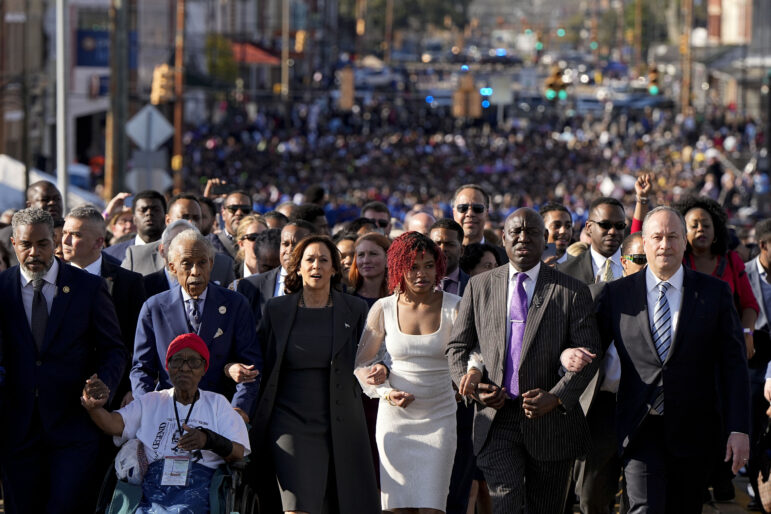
(705, 379)
(82, 338)
(227, 327)
(156, 283)
(462, 282)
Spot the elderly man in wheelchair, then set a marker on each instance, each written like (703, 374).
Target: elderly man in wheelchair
(185, 433)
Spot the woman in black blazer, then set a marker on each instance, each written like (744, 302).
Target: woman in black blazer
(310, 423)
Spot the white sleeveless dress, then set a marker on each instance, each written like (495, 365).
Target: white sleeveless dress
(417, 443)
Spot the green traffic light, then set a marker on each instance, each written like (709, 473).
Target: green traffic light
(551, 94)
(653, 89)
(563, 95)
(593, 45)
(539, 46)
(560, 32)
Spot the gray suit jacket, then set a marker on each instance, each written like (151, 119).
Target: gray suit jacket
(146, 259)
(560, 316)
(579, 267)
(754, 277)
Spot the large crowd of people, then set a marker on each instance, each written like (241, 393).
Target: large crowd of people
(398, 317)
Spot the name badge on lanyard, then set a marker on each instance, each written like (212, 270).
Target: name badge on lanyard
(176, 468)
(176, 471)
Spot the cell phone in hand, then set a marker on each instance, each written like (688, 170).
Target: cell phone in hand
(223, 189)
(549, 251)
(128, 201)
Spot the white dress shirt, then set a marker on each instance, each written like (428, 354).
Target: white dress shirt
(598, 264)
(95, 268)
(247, 272)
(528, 284)
(49, 289)
(138, 241)
(279, 291)
(674, 296)
(201, 300)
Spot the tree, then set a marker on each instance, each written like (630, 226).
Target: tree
(219, 59)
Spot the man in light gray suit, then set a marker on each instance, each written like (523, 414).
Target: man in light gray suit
(529, 427)
(146, 259)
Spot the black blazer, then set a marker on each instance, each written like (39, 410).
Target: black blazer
(156, 283)
(462, 282)
(705, 378)
(258, 289)
(349, 443)
(579, 267)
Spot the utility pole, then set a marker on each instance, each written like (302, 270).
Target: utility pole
(62, 132)
(389, 30)
(117, 146)
(285, 50)
(3, 36)
(638, 61)
(179, 104)
(25, 158)
(685, 49)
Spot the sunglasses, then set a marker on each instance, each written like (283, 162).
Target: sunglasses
(607, 225)
(178, 362)
(379, 222)
(250, 237)
(637, 258)
(246, 209)
(477, 208)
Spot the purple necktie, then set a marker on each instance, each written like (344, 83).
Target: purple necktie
(517, 318)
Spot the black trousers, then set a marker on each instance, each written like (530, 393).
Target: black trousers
(513, 476)
(658, 482)
(42, 477)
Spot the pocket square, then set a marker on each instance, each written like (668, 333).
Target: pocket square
(219, 333)
(347, 325)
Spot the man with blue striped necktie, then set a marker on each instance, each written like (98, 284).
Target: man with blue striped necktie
(684, 390)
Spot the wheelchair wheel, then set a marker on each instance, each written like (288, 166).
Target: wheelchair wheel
(249, 503)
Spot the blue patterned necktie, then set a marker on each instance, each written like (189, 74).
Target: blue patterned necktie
(661, 330)
(193, 314)
(517, 319)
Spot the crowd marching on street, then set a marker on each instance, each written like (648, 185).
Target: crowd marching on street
(386, 311)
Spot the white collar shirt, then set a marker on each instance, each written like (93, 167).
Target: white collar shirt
(49, 289)
(95, 268)
(528, 284)
(201, 299)
(279, 291)
(674, 296)
(598, 264)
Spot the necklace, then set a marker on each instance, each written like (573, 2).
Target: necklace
(301, 303)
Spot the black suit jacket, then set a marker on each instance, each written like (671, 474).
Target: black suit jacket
(462, 282)
(156, 283)
(705, 379)
(258, 289)
(579, 267)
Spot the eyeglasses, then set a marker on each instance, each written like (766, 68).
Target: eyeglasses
(246, 209)
(193, 362)
(379, 222)
(250, 237)
(607, 225)
(637, 258)
(477, 208)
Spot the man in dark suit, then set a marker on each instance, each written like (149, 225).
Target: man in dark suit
(58, 328)
(41, 195)
(221, 317)
(605, 226)
(470, 205)
(758, 275)
(448, 236)
(146, 259)
(82, 242)
(149, 209)
(258, 289)
(522, 316)
(683, 372)
(237, 205)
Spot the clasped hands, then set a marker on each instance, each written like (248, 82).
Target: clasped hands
(377, 376)
(95, 393)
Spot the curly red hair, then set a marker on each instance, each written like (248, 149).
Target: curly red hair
(402, 253)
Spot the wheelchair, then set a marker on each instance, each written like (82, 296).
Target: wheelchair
(228, 493)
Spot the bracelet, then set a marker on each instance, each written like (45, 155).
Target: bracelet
(748, 331)
(643, 201)
(387, 397)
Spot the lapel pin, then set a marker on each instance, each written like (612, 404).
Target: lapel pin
(223, 309)
(66, 289)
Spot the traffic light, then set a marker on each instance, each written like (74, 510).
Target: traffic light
(555, 88)
(653, 81)
(162, 89)
(299, 41)
(467, 100)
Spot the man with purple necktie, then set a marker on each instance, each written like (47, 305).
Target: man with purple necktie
(529, 426)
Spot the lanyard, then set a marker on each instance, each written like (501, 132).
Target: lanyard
(190, 411)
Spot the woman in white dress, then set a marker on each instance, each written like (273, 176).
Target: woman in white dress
(416, 434)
